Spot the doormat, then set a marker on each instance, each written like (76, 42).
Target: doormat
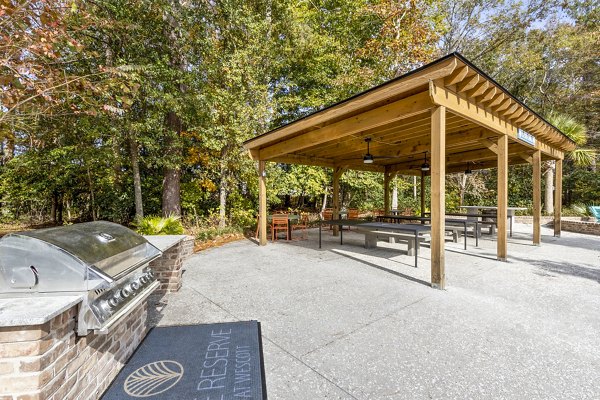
(203, 362)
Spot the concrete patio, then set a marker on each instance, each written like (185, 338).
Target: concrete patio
(345, 322)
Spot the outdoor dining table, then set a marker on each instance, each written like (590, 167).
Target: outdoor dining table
(475, 211)
(416, 229)
(463, 222)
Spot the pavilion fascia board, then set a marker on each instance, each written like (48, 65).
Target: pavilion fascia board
(459, 104)
(504, 104)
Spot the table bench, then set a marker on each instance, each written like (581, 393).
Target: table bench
(372, 236)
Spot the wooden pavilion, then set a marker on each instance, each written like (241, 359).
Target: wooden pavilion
(447, 113)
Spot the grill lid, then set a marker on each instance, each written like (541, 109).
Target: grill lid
(111, 248)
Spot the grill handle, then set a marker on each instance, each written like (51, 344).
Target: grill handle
(23, 277)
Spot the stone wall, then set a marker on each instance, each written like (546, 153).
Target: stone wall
(570, 224)
(49, 362)
(588, 227)
(167, 268)
(528, 219)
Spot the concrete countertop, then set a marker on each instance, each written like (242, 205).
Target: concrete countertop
(26, 311)
(164, 242)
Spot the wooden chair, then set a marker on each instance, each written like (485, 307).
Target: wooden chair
(280, 222)
(328, 215)
(302, 225)
(352, 214)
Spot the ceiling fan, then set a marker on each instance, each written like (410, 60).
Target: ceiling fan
(369, 158)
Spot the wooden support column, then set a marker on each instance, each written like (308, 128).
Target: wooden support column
(502, 196)
(558, 198)
(422, 194)
(438, 195)
(262, 203)
(337, 174)
(537, 197)
(386, 190)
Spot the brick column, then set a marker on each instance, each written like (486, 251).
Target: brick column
(167, 268)
(49, 362)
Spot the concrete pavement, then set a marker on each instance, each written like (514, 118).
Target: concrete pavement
(346, 322)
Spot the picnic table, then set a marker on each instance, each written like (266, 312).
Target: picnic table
(374, 229)
(450, 221)
(477, 211)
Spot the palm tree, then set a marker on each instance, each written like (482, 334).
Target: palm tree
(580, 157)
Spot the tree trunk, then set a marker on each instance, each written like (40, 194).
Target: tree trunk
(54, 207)
(324, 205)
(92, 197)
(223, 191)
(59, 210)
(414, 187)
(549, 200)
(137, 181)
(171, 198)
(395, 196)
(462, 189)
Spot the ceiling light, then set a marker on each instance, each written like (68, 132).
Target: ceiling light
(368, 158)
(468, 170)
(425, 166)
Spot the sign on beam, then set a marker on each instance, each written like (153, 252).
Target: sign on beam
(526, 137)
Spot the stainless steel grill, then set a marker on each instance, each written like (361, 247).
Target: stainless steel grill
(104, 262)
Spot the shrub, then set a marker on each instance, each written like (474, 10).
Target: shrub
(155, 225)
(214, 232)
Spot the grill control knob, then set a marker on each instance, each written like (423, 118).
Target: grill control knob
(106, 306)
(125, 292)
(144, 279)
(135, 285)
(113, 301)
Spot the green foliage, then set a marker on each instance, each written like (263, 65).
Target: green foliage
(155, 225)
(179, 86)
(206, 234)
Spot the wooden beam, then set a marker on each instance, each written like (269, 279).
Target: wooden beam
(458, 75)
(467, 84)
(397, 110)
(422, 144)
(513, 111)
(491, 145)
(262, 203)
(502, 106)
(527, 157)
(497, 100)
(478, 90)
(537, 197)
(558, 198)
(438, 196)
(489, 95)
(472, 111)
(523, 117)
(502, 196)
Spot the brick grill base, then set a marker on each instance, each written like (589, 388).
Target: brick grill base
(50, 362)
(167, 268)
